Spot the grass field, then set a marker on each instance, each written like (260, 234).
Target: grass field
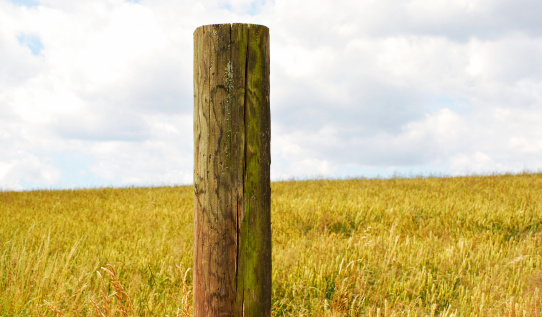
(465, 246)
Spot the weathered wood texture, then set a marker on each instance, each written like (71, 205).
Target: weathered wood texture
(232, 132)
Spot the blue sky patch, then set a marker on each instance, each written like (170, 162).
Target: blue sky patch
(33, 42)
(75, 172)
(26, 3)
(253, 9)
(226, 6)
(457, 104)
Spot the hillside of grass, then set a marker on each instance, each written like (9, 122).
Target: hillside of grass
(463, 246)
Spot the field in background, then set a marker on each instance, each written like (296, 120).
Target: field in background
(466, 246)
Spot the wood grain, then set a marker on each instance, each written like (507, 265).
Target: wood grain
(232, 132)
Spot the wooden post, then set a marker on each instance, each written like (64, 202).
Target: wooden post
(232, 135)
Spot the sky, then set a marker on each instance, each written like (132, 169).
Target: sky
(100, 93)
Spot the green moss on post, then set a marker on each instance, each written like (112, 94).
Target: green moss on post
(232, 132)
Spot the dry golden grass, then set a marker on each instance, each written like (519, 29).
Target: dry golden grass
(466, 246)
(52, 243)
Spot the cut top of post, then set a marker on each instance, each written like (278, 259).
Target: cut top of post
(231, 25)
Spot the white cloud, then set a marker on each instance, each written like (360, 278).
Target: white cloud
(29, 172)
(357, 86)
(477, 162)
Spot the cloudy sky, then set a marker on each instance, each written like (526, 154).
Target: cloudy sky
(100, 93)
